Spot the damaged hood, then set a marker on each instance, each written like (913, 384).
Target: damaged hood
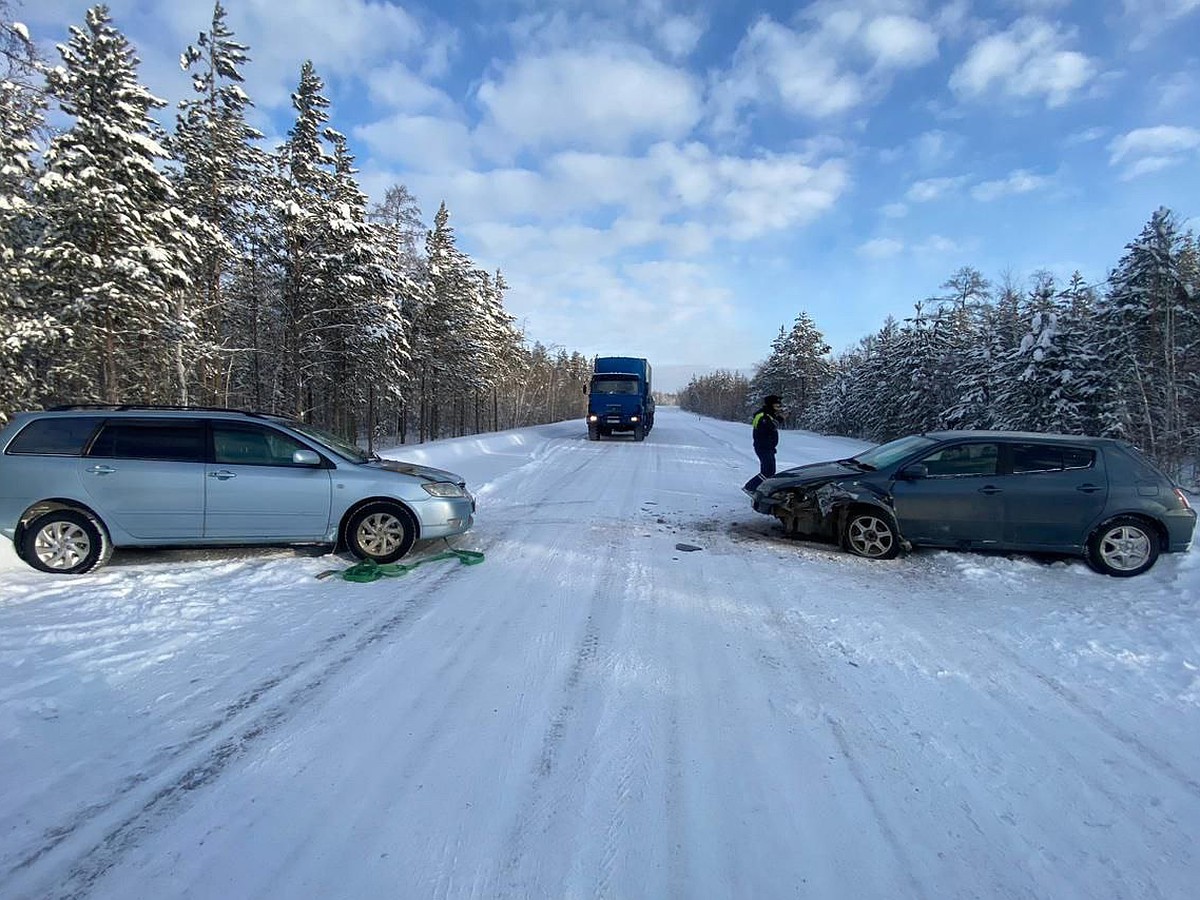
(406, 468)
(812, 474)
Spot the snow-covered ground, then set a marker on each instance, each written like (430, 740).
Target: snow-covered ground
(594, 713)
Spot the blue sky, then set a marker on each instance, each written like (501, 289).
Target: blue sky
(677, 181)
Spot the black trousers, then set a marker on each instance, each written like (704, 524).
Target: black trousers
(766, 468)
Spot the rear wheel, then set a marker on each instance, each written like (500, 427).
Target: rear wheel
(66, 542)
(381, 532)
(1124, 547)
(870, 534)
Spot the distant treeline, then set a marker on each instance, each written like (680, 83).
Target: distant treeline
(1119, 359)
(196, 267)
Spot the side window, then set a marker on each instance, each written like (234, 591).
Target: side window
(65, 436)
(1029, 458)
(1078, 458)
(251, 445)
(177, 440)
(962, 459)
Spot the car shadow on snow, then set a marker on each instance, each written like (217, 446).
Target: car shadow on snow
(772, 533)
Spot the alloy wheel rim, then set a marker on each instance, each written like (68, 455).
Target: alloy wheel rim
(870, 536)
(62, 545)
(380, 534)
(1125, 548)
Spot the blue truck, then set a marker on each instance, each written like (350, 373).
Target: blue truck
(620, 398)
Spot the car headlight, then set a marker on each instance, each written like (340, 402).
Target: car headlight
(443, 489)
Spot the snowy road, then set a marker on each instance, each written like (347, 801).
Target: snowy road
(594, 713)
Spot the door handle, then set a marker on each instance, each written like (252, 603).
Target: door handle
(1089, 488)
(222, 475)
(100, 470)
(989, 490)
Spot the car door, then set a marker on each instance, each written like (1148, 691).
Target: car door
(1053, 495)
(957, 500)
(256, 491)
(146, 476)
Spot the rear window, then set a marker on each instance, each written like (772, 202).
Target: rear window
(1050, 458)
(175, 440)
(56, 436)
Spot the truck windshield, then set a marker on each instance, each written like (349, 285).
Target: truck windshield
(614, 386)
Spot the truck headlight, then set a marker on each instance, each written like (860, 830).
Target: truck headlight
(443, 489)
(633, 418)
(593, 418)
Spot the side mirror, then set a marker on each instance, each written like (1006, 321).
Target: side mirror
(306, 458)
(914, 472)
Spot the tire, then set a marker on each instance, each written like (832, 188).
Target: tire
(639, 432)
(1123, 547)
(381, 532)
(870, 534)
(593, 433)
(65, 542)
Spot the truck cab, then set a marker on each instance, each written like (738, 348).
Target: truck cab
(620, 398)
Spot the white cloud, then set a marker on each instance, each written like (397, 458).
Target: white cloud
(900, 41)
(937, 245)
(395, 86)
(1087, 136)
(1028, 61)
(838, 57)
(425, 143)
(934, 189)
(880, 248)
(604, 98)
(679, 35)
(1018, 182)
(1151, 17)
(894, 210)
(1147, 150)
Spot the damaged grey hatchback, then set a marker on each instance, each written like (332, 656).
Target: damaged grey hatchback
(1098, 498)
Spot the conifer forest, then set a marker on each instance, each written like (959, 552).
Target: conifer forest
(192, 265)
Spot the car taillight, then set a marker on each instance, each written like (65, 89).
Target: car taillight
(1182, 498)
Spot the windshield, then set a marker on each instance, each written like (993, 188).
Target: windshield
(614, 385)
(893, 451)
(332, 442)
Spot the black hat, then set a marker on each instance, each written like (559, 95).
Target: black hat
(772, 400)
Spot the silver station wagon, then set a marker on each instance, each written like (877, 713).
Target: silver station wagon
(1098, 498)
(75, 482)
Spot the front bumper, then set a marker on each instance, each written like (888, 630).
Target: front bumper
(445, 517)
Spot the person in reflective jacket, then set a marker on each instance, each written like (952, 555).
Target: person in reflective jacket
(765, 428)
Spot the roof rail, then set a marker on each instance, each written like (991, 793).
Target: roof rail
(130, 407)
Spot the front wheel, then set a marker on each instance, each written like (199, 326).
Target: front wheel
(1124, 547)
(639, 432)
(870, 534)
(381, 532)
(65, 542)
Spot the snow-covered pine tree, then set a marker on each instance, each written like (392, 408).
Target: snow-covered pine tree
(446, 324)
(27, 330)
(222, 178)
(367, 347)
(115, 243)
(304, 207)
(1149, 325)
(400, 216)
